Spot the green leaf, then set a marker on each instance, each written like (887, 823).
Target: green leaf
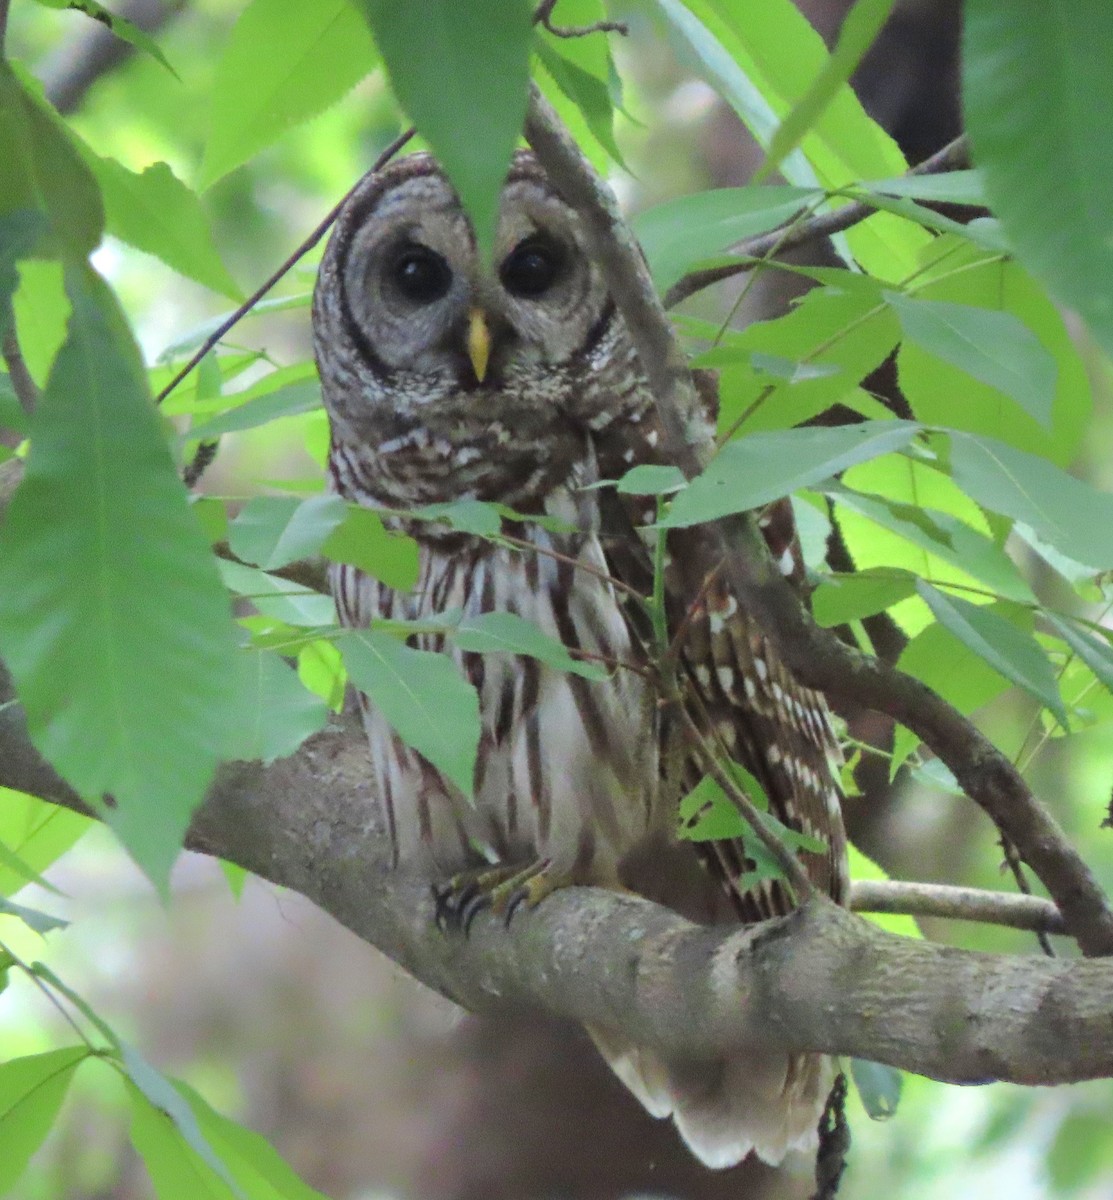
(707, 815)
(42, 923)
(31, 1093)
(273, 531)
(161, 1093)
(124, 29)
(844, 598)
(680, 233)
(751, 471)
(994, 347)
(586, 91)
(939, 659)
(762, 58)
(41, 171)
(43, 972)
(1035, 79)
(1009, 650)
(426, 700)
(300, 396)
(952, 187)
(38, 833)
(651, 479)
(285, 61)
(1094, 650)
(505, 632)
(461, 72)
(279, 598)
(277, 713)
(362, 540)
(862, 867)
(879, 1086)
(112, 619)
(251, 1159)
(155, 212)
(859, 29)
(1080, 1152)
(468, 516)
(1070, 514)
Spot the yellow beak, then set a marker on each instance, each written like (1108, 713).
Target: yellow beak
(479, 342)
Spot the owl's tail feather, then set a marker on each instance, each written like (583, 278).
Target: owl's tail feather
(725, 1108)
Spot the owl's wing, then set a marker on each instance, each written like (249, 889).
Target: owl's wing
(737, 689)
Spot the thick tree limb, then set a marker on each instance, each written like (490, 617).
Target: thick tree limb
(816, 656)
(822, 979)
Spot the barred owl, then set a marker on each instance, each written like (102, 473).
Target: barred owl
(445, 378)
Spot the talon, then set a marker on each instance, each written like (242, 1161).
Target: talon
(504, 889)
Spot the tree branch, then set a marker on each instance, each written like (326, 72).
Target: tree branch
(822, 979)
(953, 157)
(1031, 913)
(815, 655)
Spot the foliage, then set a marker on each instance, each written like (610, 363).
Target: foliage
(968, 524)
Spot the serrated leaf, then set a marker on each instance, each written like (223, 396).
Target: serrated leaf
(155, 212)
(879, 1086)
(31, 1093)
(1031, 489)
(994, 347)
(1007, 649)
(752, 471)
(112, 618)
(422, 695)
(508, 633)
(586, 91)
(277, 712)
(680, 233)
(124, 29)
(284, 62)
(461, 72)
(1035, 87)
(362, 540)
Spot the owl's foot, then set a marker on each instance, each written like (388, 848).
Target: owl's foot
(502, 889)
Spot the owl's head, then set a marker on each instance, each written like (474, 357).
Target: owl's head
(411, 323)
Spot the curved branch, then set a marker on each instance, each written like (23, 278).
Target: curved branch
(815, 655)
(953, 157)
(822, 979)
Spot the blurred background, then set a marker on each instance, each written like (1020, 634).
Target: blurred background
(369, 1085)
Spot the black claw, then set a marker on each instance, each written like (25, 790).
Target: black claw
(471, 908)
(517, 898)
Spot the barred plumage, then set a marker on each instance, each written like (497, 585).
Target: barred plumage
(445, 380)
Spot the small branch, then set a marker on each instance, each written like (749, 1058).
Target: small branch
(953, 157)
(544, 17)
(287, 266)
(1029, 913)
(25, 388)
(817, 658)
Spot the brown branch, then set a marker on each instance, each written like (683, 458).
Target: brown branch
(25, 388)
(544, 17)
(902, 898)
(953, 157)
(820, 980)
(818, 658)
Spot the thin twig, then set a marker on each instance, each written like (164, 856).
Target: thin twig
(543, 16)
(1016, 866)
(953, 157)
(287, 266)
(1027, 912)
(25, 388)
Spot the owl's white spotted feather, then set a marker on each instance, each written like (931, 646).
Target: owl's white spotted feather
(575, 779)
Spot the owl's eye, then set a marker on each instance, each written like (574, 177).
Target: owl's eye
(421, 275)
(531, 268)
